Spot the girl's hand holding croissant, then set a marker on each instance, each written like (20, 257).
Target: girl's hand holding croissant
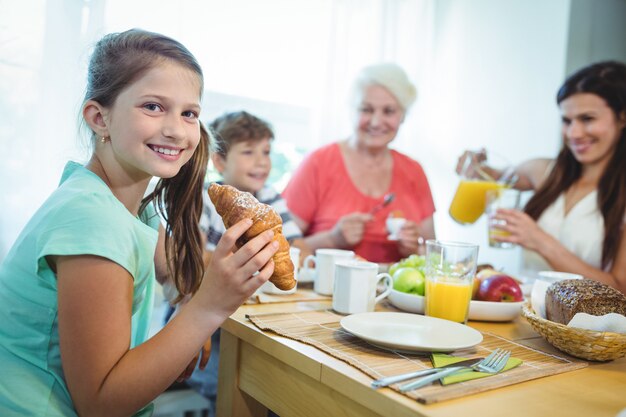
(230, 278)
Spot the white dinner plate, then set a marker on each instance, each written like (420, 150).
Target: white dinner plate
(411, 332)
(479, 310)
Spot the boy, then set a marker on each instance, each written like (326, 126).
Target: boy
(241, 154)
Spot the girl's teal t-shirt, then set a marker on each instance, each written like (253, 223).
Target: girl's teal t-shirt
(81, 217)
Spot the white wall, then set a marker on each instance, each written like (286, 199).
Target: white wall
(494, 73)
(39, 104)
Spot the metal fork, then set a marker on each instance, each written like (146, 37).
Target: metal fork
(492, 364)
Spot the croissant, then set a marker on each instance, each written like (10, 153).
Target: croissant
(233, 205)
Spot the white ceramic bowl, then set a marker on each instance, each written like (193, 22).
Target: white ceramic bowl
(412, 303)
(494, 311)
(479, 310)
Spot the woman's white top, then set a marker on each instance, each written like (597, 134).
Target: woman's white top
(581, 231)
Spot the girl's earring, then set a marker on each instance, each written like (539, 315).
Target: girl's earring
(104, 139)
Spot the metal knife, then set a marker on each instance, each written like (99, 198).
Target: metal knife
(383, 382)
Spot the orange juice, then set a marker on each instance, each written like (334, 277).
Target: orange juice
(503, 198)
(468, 203)
(495, 233)
(448, 298)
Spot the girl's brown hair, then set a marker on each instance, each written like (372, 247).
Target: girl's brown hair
(608, 81)
(119, 59)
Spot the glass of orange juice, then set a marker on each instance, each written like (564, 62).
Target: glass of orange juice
(497, 199)
(450, 269)
(468, 203)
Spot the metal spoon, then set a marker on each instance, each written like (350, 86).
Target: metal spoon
(388, 198)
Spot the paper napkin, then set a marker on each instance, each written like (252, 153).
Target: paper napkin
(441, 359)
(611, 322)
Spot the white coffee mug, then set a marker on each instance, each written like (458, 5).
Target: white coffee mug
(325, 260)
(355, 286)
(394, 224)
(540, 286)
(269, 288)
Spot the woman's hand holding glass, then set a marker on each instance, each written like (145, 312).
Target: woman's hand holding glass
(523, 230)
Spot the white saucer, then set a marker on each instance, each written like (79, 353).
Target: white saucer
(411, 332)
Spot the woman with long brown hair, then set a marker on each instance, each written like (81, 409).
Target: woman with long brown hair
(575, 220)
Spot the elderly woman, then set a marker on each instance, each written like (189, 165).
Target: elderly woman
(336, 194)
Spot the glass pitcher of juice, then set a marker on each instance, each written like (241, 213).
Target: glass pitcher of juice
(469, 200)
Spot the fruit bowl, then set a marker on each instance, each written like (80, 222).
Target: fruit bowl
(494, 311)
(412, 303)
(479, 310)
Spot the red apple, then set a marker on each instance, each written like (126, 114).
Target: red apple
(487, 272)
(475, 286)
(499, 288)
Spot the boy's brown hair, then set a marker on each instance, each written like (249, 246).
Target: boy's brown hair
(239, 126)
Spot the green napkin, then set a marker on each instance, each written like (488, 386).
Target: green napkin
(441, 359)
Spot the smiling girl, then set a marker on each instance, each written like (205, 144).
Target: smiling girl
(77, 287)
(575, 220)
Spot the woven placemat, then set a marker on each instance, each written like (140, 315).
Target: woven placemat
(301, 294)
(321, 328)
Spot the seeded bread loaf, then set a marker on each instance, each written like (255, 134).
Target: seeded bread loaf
(566, 298)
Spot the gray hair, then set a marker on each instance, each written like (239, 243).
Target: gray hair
(390, 76)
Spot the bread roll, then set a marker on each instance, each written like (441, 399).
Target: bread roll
(233, 205)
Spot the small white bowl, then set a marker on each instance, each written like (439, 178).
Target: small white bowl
(270, 288)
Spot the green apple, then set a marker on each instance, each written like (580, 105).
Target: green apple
(414, 261)
(409, 280)
(394, 267)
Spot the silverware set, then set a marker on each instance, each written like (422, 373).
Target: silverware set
(492, 364)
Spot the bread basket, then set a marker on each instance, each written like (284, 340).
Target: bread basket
(581, 343)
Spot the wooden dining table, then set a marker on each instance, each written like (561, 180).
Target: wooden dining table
(261, 370)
